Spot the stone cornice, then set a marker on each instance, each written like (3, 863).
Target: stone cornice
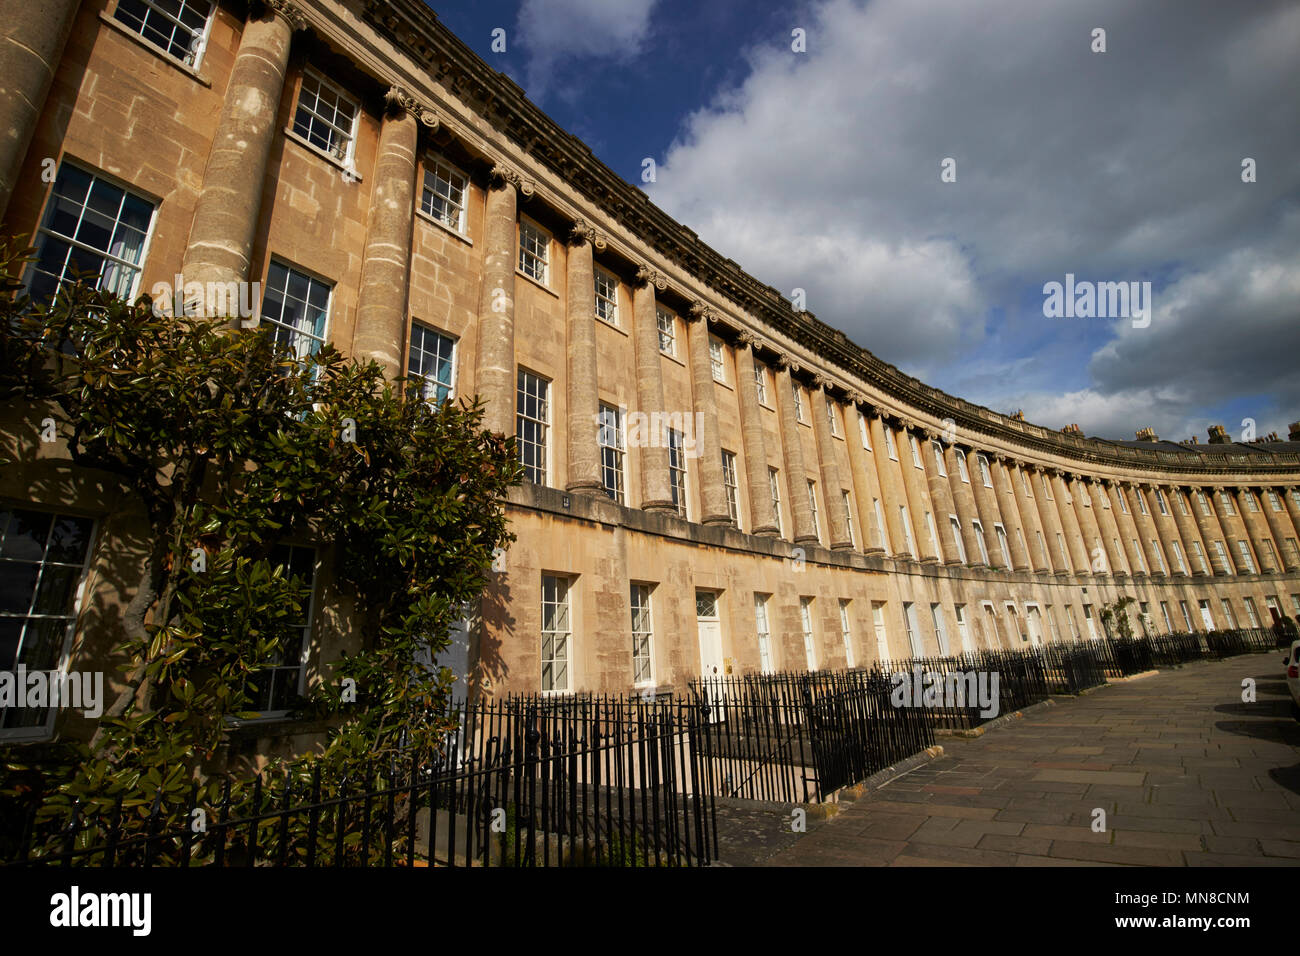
(415, 29)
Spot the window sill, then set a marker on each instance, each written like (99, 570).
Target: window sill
(421, 214)
(610, 325)
(155, 49)
(352, 176)
(547, 289)
(726, 385)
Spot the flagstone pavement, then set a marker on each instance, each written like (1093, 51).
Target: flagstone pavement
(1185, 772)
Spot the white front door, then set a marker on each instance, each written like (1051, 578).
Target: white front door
(710, 630)
(1087, 619)
(1206, 617)
(882, 637)
(963, 631)
(1035, 626)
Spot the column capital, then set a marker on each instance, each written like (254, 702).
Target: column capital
(581, 231)
(786, 364)
(398, 99)
(856, 399)
(700, 310)
(647, 276)
(500, 174)
(746, 339)
(820, 381)
(288, 11)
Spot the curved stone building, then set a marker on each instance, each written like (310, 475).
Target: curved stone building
(718, 483)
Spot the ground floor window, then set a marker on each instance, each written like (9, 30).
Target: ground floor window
(42, 566)
(556, 632)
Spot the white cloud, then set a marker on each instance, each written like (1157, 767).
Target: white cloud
(821, 171)
(555, 31)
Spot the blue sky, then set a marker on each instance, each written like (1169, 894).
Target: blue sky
(820, 170)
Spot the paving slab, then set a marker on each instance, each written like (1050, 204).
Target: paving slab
(1185, 773)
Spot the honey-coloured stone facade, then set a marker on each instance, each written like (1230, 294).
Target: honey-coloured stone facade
(914, 521)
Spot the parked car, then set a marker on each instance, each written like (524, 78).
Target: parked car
(1292, 664)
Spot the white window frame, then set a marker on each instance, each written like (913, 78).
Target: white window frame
(846, 632)
(955, 523)
(543, 425)
(848, 517)
(812, 505)
(863, 431)
(677, 475)
(347, 135)
(962, 468)
(612, 442)
(774, 486)
(559, 635)
(534, 252)
(666, 335)
(760, 382)
(430, 382)
(130, 270)
(731, 483)
(643, 634)
(940, 468)
(446, 185)
(986, 472)
(981, 541)
(809, 637)
(717, 360)
(762, 627)
(605, 290)
(1248, 559)
(198, 38)
(44, 730)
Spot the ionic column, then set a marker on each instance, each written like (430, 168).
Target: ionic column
(1280, 525)
(1167, 531)
(1029, 517)
(1257, 529)
(656, 489)
(762, 514)
(1051, 521)
(1103, 510)
(1211, 530)
(1079, 558)
(1138, 563)
(963, 500)
(713, 493)
(1008, 507)
(832, 487)
(382, 296)
(1187, 529)
(796, 478)
(919, 502)
(1088, 524)
(584, 402)
(494, 368)
(229, 206)
(865, 483)
(32, 38)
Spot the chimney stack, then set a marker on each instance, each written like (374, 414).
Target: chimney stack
(1147, 434)
(1218, 435)
(1293, 431)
